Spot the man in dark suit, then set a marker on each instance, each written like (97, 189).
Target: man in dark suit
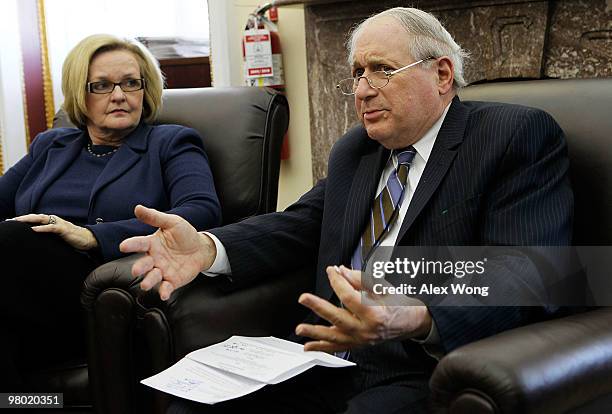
(470, 174)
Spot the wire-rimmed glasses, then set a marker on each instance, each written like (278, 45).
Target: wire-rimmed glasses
(376, 80)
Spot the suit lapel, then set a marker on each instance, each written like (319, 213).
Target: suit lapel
(129, 153)
(59, 157)
(359, 201)
(358, 204)
(442, 155)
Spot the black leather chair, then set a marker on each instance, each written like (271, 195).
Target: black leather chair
(243, 129)
(563, 365)
(551, 367)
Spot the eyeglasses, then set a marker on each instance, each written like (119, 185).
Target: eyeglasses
(126, 85)
(376, 80)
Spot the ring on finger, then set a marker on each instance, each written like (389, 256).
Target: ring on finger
(52, 219)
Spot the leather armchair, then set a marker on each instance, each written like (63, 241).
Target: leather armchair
(130, 334)
(563, 365)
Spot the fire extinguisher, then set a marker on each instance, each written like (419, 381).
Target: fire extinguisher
(260, 76)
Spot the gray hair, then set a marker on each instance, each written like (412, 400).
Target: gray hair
(428, 38)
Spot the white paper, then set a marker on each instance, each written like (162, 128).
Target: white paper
(321, 358)
(236, 367)
(256, 360)
(197, 382)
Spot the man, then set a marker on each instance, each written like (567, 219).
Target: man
(469, 173)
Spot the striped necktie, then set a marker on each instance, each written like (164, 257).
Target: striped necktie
(385, 208)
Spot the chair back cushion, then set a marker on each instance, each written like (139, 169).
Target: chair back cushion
(583, 109)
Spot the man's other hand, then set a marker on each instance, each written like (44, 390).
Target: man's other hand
(173, 256)
(358, 324)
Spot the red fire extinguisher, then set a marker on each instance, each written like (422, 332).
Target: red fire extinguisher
(262, 55)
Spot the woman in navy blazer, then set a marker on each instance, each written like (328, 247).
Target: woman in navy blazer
(70, 201)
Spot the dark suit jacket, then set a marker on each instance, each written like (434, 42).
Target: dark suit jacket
(163, 167)
(497, 175)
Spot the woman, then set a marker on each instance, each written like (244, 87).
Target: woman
(70, 201)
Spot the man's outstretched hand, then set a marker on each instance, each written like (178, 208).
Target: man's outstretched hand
(174, 255)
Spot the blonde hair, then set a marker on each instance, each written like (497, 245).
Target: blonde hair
(75, 73)
(428, 38)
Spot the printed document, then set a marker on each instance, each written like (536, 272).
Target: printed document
(236, 367)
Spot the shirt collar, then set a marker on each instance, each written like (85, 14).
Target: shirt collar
(424, 146)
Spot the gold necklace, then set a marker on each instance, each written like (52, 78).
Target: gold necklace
(100, 155)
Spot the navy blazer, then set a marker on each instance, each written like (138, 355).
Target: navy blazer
(497, 175)
(164, 167)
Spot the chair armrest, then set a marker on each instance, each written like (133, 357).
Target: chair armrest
(108, 298)
(112, 275)
(210, 310)
(548, 367)
(133, 334)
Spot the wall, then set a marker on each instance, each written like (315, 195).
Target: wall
(296, 172)
(227, 20)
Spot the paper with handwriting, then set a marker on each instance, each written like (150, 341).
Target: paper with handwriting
(236, 367)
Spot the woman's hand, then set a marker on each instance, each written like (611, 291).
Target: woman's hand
(78, 237)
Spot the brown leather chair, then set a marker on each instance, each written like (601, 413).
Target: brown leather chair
(563, 365)
(243, 129)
